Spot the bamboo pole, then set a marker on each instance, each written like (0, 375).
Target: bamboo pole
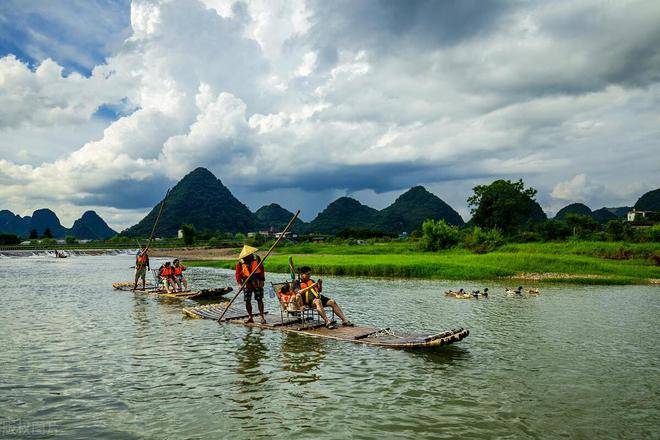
(282, 234)
(153, 230)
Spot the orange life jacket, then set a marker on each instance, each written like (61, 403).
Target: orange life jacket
(166, 272)
(142, 261)
(312, 291)
(248, 269)
(178, 270)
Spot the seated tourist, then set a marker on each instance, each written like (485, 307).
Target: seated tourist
(180, 281)
(290, 300)
(308, 292)
(166, 275)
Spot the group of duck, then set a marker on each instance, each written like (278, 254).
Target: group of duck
(476, 294)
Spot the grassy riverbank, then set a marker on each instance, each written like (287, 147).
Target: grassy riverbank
(576, 262)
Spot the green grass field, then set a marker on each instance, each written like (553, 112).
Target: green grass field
(576, 262)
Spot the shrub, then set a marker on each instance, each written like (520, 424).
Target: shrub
(70, 239)
(551, 230)
(438, 235)
(256, 240)
(483, 240)
(527, 237)
(582, 226)
(9, 239)
(189, 233)
(619, 230)
(214, 241)
(649, 235)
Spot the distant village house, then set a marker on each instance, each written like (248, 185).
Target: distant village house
(636, 216)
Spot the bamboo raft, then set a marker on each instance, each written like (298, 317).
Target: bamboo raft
(203, 294)
(381, 337)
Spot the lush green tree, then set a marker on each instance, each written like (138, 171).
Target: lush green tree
(70, 239)
(582, 226)
(482, 240)
(552, 230)
(619, 230)
(10, 239)
(47, 233)
(189, 233)
(504, 205)
(256, 240)
(34, 234)
(437, 235)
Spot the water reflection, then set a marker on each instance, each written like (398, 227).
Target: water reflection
(302, 357)
(448, 356)
(140, 318)
(250, 354)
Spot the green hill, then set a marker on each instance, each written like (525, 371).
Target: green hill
(43, 219)
(649, 201)
(91, 226)
(201, 200)
(604, 215)
(11, 223)
(574, 208)
(275, 217)
(341, 214)
(410, 209)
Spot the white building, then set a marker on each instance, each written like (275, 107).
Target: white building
(636, 215)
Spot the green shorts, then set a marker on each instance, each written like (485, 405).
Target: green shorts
(140, 273)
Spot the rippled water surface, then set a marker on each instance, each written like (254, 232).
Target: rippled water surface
(79, 360)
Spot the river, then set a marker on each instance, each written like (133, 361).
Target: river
(79, 360)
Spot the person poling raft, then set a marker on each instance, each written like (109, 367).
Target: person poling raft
(249, 263)
(141, 267)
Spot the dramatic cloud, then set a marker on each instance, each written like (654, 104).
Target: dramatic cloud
(299, 102)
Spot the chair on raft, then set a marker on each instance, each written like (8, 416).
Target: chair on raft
(288, 307)
(157, 281)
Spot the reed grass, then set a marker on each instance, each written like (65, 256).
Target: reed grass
(576, 263)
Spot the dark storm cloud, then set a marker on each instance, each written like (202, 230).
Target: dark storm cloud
(128, 194)
(381, 24)
(377, 177)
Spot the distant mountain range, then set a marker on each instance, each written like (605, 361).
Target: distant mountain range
(201, 199)
(89, 226)
(649, 201)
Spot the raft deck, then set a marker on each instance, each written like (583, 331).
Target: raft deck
(381, 337)
(203, 294)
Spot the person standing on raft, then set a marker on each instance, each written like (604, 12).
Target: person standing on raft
(248, 262)
(141, 267)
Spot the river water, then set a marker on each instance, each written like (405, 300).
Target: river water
(79, 360)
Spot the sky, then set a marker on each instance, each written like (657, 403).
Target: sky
(106, 104)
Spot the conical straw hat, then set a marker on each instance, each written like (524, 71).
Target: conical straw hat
(247, 250)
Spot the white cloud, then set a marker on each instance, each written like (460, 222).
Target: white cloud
(277, 95)
(576, 189)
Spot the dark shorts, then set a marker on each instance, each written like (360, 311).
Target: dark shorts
(258, 294)
(324, 300)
